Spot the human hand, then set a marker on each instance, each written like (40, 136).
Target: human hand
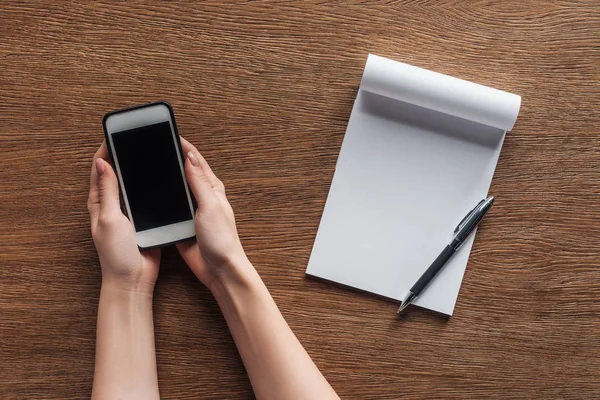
(122, 262)
(217, 250)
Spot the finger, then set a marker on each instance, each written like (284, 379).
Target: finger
(212, 178)
(108, 188)
(190, 252)
(152, 255)
(102, 151)
(187, 146)
(198, 180)
(94, 195)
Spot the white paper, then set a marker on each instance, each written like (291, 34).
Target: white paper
(440, 92)
(405, 177)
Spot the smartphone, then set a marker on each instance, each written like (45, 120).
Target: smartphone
(146, 154)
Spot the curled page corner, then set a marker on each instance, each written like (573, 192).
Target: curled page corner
(440, 92)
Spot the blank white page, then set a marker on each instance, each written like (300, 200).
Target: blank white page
(406, 175)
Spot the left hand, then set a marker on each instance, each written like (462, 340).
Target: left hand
(122, 262)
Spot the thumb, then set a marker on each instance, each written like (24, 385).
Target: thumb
(108, 188)
(198, 180)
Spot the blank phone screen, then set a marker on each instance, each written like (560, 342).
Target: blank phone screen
(150, 170)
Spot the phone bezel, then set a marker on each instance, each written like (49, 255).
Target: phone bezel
(135, 117)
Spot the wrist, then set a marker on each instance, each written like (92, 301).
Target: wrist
(127, 287)
(123, 304)
(234, 275)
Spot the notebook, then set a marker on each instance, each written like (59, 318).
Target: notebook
(419, 153)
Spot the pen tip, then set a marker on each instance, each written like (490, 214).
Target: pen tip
(402, 307)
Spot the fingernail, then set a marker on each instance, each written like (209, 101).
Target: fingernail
(193, 159)
(100, 166)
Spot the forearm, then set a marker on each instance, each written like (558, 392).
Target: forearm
(277, 364)
(125, 356)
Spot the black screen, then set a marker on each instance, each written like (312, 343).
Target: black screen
(152, 177)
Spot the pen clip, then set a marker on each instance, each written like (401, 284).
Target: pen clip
(462, 222)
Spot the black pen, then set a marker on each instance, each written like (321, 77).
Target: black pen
(461, 233)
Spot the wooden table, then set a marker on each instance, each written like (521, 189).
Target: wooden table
(265, 90)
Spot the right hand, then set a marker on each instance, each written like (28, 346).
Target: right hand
(217, 249)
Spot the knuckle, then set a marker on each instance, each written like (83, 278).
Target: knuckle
(102, 188)
(106, 220)
(220, 186)
(200, 176)
(94, 232)
(207, 208)
(90, 206)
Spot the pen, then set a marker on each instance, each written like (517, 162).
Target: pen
(461, 233)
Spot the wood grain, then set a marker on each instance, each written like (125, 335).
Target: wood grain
(265, 89)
